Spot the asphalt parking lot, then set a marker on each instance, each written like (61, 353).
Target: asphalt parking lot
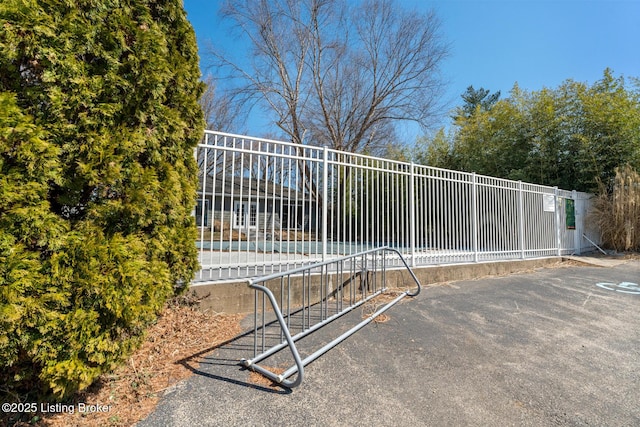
(557, 346)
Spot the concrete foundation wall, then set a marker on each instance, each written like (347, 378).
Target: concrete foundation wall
(237, 297)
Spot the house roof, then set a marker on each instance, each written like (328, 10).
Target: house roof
(245, 187)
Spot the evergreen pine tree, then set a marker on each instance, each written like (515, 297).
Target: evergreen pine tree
(99, 117)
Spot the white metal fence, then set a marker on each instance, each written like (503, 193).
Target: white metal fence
(266, 206)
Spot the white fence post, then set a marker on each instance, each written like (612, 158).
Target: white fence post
(556, 207)
(474, 213)
(325, 202)
(521, 220)
(412, 213)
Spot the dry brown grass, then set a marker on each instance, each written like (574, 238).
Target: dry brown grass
(617, 213)
(132, 391)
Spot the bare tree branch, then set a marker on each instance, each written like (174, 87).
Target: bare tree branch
(336, 73)
(220, 110)
(339, 73)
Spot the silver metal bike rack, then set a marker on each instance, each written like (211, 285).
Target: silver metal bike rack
(305, 299)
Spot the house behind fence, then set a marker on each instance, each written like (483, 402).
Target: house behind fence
(266, 206)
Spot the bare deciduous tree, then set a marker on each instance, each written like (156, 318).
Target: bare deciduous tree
(385, 71)
(221, 112)
(338, 73)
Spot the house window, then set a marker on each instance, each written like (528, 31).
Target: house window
(245, 215)
(200, 212)
(253, 215)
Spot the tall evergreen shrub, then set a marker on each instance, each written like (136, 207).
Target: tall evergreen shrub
(98, 120)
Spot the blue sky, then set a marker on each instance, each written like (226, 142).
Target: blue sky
(495, 43)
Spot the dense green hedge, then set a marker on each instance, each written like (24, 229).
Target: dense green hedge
(98, 120)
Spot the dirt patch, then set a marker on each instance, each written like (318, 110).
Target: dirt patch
(132, 391)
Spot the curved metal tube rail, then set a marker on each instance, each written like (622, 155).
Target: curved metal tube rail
(286, 318)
